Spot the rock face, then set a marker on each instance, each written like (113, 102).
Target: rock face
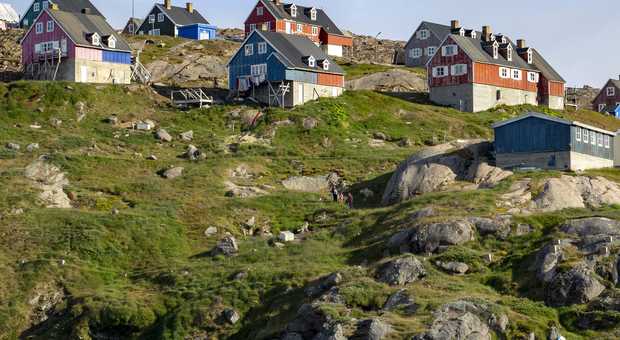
(395, 80)
(428, 238)
(316, 184)
(591, 227)
(368, 50)
(323, 284)
(438, 167)
(51, 181)
(313, 324)
(372, 329)
(173, 173)
(401, 271)
(576, 286)
(498, 227)
(576, 192)
(453, 267)
(226, 246)
(400, 299)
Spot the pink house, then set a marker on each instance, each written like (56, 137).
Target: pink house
(75, 46)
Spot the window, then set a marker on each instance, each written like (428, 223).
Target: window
(36, 7)
(423, 34)
(63, 45)
(459, 69)
(585, 135)
(259, 69)
(578, 134)
(39, 27)
(516, 74)
(262, 48)
(504, 73)
(311, 62)
(156, 31)
(315, 30)
(50, 26)
(267, 26)
(530, 56)
(431, 50)
(449, 50)
(313, 14)
(160, 17)
(495, 51)
(259, 10)
(440, 71)
(112, 42)
(611, 91)
(46, 5)
(509, 53)
(326, 65)
(95, 39)
(601, 107)
(599, 139)
(151, 18)
(300, 28)
(593, 137)
(249, 50)
(294, 11)
(25, 22)
(474, 34)
(532, 77)
(498, 95)
(252, 27)
(415, 53)
(607, 142)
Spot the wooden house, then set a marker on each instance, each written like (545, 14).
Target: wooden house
(8, 17)
(475, 72)
(608, 99)
(75, 46)
(311, 22)
(540, 141)
(283, 70)
(186, 22)
(131, 28)
(39, 6)
(424, 42)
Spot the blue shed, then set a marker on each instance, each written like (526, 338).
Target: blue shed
(540, 141)
(198, 32)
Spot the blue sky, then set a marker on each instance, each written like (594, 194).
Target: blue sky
(577, 37)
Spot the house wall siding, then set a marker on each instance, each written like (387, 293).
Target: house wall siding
(423, 44)
(450, 80)
(532, 135)
(603, 98)
(241, 65)
(330, 79)
(489, 75)
(332, 39)
(166, 27)
(198, 31)
(588, 148)
(32, 38)
(258, 20)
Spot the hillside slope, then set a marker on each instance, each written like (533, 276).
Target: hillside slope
(133, 256)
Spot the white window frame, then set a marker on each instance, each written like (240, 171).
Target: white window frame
(249, 50)
(517, 74)
(458, 69)
(315, 30)
(95, 39)
(509, 53)
(599, 139)
(63, 45)
(611, 91)
(495, 51)
(45, 4)
(586, 136)
(262, 47)
(311, 62)
(530, 56)
(326, 65)
(260, 10)
(449, 50)
(36, 7)
(300, 28)
(607, 141)
(39, 27)
(50, 26)
(592, 137)
(294, 11)
(601, 107)
(160, 17)
(431, 50)
(532, 77)
(423, 34)
(440, 71)
(578, 134)
(313, 14)
(258, 69)
(504, 72)
(415, 53)
(112, 42)
(267, 26)
(151, 18)
(252, 27)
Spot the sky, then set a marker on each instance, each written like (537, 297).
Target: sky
(577, 37)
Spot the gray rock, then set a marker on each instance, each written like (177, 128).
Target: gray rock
(13, 146)
(193, 153)
(231, 316)
(576, 192)
(173, 173)
(309, 321)
(453, 267)
(322, 284)
(401, 271)
(226, 246)
(187, 136)
(576, 286)
(332, 296)
(547, 260)
(210, 231)
(498, 227)
(371, 329)
(32, 147)
(400, 242)
(423, 213)
(163, 135)
(400, 299)
(310, 123)
(591, 226)
(315, 184)
(113, 120)
(486, 176)
(380, 136)
(331, 331)
(51, 181)
(523, 229)
(428, 238)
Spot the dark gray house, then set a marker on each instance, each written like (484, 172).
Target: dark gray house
(545, 142)
(424, 42)
(165, 19)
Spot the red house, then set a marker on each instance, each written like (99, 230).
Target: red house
(472, 72)
(75, 46)
(311, 22)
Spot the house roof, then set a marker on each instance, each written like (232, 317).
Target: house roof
(441, 31)
(78, 25)
(475, 49)
(135, 21)
(76, 6)
(181, 17)
(545, 68)
(615, 82)
(282, 11)
(8, 13)
(553, 119)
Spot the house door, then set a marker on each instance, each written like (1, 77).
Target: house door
(300, 93)
(204, 35)
(83, 74)
(288, 27)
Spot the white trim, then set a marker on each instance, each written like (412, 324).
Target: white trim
(265, 6)
(455, 72)
(553, 119)
(262, 47)
(501, 72)
(611, 93)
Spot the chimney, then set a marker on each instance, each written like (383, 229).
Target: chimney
(168, 4)
(521, 43)
(486, 33)
(190, 7)
(455, 24)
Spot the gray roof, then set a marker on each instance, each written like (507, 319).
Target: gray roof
(476, 51)
(281, 11)
(441, 31)
(553, 119)
(78, 25)
(76, 6)
(545, 68)
(181, 17)
(135, 21)
(616, 82)
(294, 48)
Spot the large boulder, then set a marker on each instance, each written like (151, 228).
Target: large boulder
(226, 246)
(547, 260)
(311, 323)
(485, 175)
(315, 184)
(591, 226)
(576, 192)
(429, 238)
(498, 227)
(401, 271)
(400, 300)
(371, 329)
(51, 181)
(576, 286)
(323, 284)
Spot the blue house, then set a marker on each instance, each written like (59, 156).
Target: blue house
(198, 32)
(540, 141)
(283, 70)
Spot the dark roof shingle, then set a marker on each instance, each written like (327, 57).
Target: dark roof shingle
(303, 15)
(76, 6)
(180, 16)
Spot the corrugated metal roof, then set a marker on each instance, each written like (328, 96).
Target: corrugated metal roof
(550, 118)
(8, 13)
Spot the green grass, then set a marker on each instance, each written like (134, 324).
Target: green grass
(354, 71)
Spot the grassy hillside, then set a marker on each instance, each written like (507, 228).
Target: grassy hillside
(144, 272)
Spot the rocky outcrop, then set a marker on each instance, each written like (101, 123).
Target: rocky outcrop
(395, 80)
(498, 227)
(316, 184)
(369, 50)
(226, 246)
(311, 323)
(371, 329)
(173, 173)
(323, 284)
(401, 271)
(436, 168)
(428, 238)
(400, 300)
(593, 226)
(576, 286)
(576, 192)
(51, 181)
(458, 268)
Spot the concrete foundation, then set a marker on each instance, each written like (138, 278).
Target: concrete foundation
(564, 160)
(299, 93)
(97, 72)
(555, 103)
(333, 50)
(478, 97)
